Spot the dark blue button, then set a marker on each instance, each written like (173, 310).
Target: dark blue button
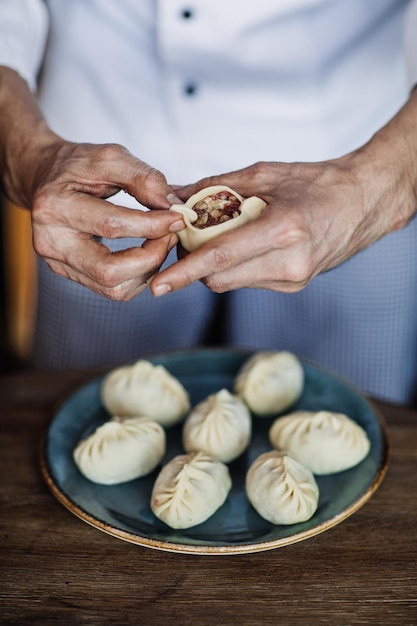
(187, 14)
(190, 89)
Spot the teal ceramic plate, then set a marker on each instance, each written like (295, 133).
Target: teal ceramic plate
(123, 510)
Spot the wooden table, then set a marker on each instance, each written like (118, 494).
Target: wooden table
(54, 568)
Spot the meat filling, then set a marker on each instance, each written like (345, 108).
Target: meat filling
(216, 209)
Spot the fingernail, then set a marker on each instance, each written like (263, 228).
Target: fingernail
(161, 290)
(176, 226)
(173, 199)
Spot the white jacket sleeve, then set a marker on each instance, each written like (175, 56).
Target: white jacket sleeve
(23, 33)
(411, 43)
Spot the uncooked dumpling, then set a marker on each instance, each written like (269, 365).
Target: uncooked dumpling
(281, 489)
(213, 211)
(190, 489)
(270, 382)
(221, 425)
(324, 441)
(121, 450)
(145, 389)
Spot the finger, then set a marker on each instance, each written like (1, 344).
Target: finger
(273, 271)
(270, 271)
(93, 265)
(244, 181)
(147, 184)
(123, 292)
(88, 214)
(217, 255)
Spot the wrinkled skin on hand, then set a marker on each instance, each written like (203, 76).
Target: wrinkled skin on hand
(318, 215)
(65, 185)
(69, 214)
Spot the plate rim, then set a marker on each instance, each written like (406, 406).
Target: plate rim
(200, 549)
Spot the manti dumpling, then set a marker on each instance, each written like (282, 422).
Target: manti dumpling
(221, 425)
(190, 489)
(145, 389)
(121, 450)
(270, 382)
(213, 211)
(281, 489)
(324, 441)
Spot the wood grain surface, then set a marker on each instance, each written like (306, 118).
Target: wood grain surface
(56, 569)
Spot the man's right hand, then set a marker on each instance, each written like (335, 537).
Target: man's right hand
(66, 186)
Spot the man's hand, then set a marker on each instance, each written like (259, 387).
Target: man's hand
(318, 215)
(66, 185)
(69, 213)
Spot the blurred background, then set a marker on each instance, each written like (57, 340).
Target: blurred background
(17, 287)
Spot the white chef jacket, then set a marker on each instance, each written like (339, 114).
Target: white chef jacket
(201, 88)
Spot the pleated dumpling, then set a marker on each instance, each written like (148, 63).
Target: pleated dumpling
(145, 389)
(281, 489)
(270, 382)
(213, 211)
(220, 425)
(190, 489)
(324, 441)
(121, 450)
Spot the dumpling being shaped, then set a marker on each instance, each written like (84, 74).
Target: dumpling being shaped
(121, 450)
(190, 489)
(145, 389)
(270, 382)
(192, 237)
(281, 489)
(326, 442)
(220, 425)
